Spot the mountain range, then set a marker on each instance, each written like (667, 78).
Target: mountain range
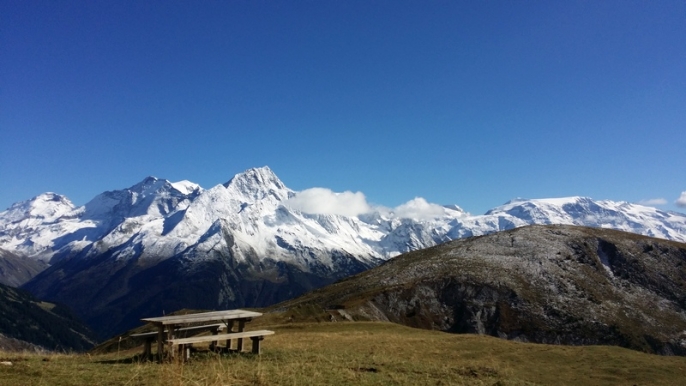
(159, 246)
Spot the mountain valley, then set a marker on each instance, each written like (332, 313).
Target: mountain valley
(27, 323)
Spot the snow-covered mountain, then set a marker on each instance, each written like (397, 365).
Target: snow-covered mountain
(583, 211)
(254, 245)
(158, 219)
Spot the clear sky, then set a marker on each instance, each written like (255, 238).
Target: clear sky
(460, 102)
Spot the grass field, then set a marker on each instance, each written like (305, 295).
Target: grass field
(360, 353)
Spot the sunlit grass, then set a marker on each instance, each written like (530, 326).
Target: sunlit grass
(361, 353)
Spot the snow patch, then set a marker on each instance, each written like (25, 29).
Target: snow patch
(186, 187)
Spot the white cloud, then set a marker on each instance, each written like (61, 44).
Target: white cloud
(419, 209)
(681, 201)
(653, 201)
(325, 201)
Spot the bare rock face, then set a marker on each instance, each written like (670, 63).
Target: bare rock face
(547, 284)
(16, 270)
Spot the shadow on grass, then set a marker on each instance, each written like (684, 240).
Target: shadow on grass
(138, 358)
(199, 355)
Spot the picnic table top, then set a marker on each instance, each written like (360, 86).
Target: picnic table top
(203, 317)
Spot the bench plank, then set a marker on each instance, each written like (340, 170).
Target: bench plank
(219, 326)
(211, 338)
(184, 344)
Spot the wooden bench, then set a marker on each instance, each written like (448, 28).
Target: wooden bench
(184, 344)
(152, 335)
(171, 322)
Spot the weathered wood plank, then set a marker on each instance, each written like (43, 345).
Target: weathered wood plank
(147, 349)
(239, 341)
(203, 317)
(256, 344)
(219, 326)
(210, 338)
(229, 329)
(160, 343)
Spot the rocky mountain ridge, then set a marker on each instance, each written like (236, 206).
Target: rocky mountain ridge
(555, 284)
(162, 217)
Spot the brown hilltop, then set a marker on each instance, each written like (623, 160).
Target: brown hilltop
(546, 284)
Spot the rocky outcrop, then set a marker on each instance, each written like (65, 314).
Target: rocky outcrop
(16, 270)
(546, 284)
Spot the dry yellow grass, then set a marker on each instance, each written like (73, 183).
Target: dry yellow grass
(361, 353)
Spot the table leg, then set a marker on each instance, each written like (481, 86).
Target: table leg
(171, 334)
(160, 343)
(147, 349)
(229, 329)
(241, 327)
(183, 352)
(256, 344)
(213, 345)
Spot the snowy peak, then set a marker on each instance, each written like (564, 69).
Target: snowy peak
(564, 210)
(540, 210)
(187, 187)
(28, 228)
(585, 211)
(152, 196)
(256, 184)
(46, 207)
(149, 185)
(454, 208)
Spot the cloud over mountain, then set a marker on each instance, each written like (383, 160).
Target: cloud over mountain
(419, 208)
(653, 201)
(325, 201)
(681, 201)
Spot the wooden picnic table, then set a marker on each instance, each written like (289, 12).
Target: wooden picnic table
(174, 323)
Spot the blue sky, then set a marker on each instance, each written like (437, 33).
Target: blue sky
(470, 103)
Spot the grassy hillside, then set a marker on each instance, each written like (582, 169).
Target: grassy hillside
(360, 353)
(51, 326)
